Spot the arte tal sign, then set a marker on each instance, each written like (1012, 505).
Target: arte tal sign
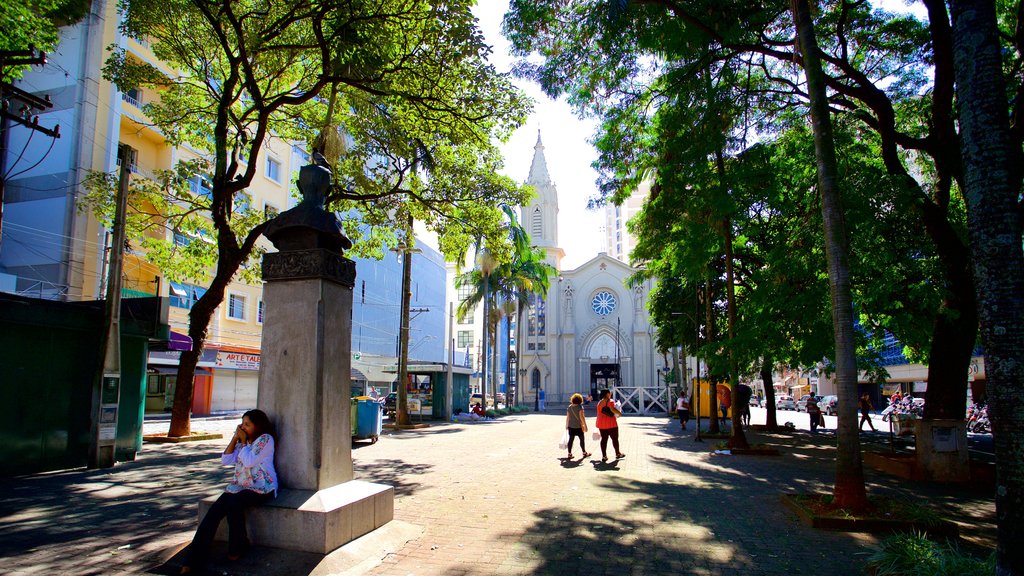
(238, 361)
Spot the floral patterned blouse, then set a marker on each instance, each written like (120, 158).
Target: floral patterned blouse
(254, 466)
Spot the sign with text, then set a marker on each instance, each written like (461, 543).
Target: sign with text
(238, 360)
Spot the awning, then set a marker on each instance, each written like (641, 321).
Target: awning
(177, 342)
(357, 375)
(161, 369)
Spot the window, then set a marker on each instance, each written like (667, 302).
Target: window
(181, 240)
(536, 320)
(270, 211)
(200, 186)
(259, 312)
(242, 202)
(236, 307)
(465, 292)
(274, 169)
(128, 154)
(184, 295)
(536, 224)
(465, 338)
(133, 97)
(468, 317)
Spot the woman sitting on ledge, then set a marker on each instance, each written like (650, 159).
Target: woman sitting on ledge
(251, 451)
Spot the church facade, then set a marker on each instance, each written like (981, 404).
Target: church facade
(591, 330)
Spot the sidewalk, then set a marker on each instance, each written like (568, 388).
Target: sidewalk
(484, 498)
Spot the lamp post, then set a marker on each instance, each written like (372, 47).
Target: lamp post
(513, 383)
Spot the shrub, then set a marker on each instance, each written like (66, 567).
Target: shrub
(914, 554)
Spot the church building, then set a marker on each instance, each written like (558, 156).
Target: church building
(590, 331)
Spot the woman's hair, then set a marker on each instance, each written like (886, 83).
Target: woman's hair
(260, 420)
(605, 394)
(576, 398)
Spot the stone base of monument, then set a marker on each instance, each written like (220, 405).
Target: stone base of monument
(319, 521)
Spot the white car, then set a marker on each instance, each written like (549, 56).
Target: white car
(784, 402)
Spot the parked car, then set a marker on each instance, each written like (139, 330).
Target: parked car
(829, 404)
(784, 402)
(755, 402)
(801, 404)
(391, 405)
(479, 399)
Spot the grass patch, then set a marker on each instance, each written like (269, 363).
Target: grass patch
(913, 554)
(880, 507)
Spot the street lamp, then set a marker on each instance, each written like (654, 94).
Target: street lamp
(696, 388)
(513, 384)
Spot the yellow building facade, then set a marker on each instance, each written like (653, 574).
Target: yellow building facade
(53, 249)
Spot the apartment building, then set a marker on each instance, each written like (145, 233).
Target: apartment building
(619, 242)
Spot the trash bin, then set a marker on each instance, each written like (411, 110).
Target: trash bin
(369, 420)
(352, 416)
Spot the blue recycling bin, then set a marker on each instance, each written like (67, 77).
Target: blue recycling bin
(369, 420)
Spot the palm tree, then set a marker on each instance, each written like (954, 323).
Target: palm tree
(526, 274)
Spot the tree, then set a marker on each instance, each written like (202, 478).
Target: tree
(877, 65)
(36, 24)
(993, 186)
(407, 77)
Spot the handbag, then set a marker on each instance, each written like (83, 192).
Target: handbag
(607, 411)
(564, 443)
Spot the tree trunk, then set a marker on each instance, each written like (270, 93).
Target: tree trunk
(771, 422)
(738, 439)
(712, 338)
(992, 186)
(849, 488)
(198, 322)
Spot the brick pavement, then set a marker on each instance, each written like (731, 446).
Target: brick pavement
(484, 498)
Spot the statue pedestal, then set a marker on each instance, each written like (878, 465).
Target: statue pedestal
(317, 522)
(305, 388)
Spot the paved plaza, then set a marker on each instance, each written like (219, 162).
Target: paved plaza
(485, 498)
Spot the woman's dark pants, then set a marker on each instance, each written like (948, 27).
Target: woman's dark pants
(573, 433)
(607, 433)
(232, 506)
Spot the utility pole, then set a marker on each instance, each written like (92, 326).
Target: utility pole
(19, 107)
(405, 249)
(106, 393)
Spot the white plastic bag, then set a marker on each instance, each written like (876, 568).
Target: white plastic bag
(596, 435)
(564, 443)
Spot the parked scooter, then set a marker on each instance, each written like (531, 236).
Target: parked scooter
(977, 419)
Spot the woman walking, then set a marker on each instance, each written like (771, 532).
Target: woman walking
(576, 423)
(608, 425)
(251, 452)
(865, 411)
(683, 409)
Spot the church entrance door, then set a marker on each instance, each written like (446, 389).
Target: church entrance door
(603, 377)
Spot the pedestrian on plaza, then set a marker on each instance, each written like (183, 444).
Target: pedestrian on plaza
(251, 452)
(724, 401)
(576, 423)
(683, 409)
(743, 395)
(540, 399)
(814, 411)
(608, 425)
(865, 411)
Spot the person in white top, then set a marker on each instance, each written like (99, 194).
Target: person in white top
(251, 452)
(683, 409)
